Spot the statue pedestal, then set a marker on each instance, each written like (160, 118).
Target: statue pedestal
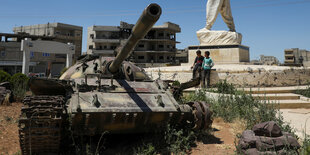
(224, 46)
(207, 37)
(221, 54)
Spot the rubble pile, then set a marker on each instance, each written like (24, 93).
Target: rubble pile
(267, 138)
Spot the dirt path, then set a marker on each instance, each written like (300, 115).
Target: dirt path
(9, 141)
(222, 142)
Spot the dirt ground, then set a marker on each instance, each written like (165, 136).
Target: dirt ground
(9, 141)
(220, 142)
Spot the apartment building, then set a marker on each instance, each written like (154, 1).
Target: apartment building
(297, 57)
(11, 55)
(158, 46)
(61, 32)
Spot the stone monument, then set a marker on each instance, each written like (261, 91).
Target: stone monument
(225, 46)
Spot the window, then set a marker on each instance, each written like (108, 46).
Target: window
(161, 57)
(91, 36)
(45, 54)
(2, 53)
(160, 46)
(78, 34)
(141, 45)
(90, 47)
(160, 34)
(140, 57)
(168, 46)
(105, 47)
(31, 54)
(57, 32)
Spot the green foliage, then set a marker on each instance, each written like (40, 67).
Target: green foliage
(223, 87)
(145, 149)
(304, 92)
(19, 83)
(305, 149)
(239, 105)
(173, 140)
(63, 70)
(4, 76)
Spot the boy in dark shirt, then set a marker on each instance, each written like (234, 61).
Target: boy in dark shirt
(197, 64)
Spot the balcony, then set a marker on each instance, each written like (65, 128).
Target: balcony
(103, 52)
(106, 40)
(289, 55)
(289, 61)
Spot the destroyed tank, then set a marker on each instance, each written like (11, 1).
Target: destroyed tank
(100, 94)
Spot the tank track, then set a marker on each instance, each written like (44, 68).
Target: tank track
(40, 124)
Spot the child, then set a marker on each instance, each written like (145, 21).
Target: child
(207, 64)
(197, 64)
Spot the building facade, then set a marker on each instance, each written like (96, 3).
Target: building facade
(11, 56)
(296, 57)
(268, 60)
(61, 32)
(158, 46)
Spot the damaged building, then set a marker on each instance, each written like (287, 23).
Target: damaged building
(64, 33)
(157, 48)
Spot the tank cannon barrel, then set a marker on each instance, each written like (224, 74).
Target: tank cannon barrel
(148, 18)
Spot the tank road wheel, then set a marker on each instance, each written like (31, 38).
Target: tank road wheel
(40, 124)
(202, 115)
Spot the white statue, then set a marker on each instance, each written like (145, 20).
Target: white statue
(214, 7)
(208, 37)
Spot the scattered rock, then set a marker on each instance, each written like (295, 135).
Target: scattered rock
(267, 138)
(268, 129)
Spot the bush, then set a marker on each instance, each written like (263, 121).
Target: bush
(305, 92)
(223, 87)
(241, 106)
(4, 76)
(174, 140)
(19, 85)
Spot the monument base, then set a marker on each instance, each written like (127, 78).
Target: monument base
(221, 54)
(207, 37)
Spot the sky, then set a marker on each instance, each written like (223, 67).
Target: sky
(268, 26)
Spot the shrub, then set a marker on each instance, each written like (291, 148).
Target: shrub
(305, 92)
(4, 76)
(174, 140)
(305, 149)
(223, 87)
(241, 106)
(19, 85)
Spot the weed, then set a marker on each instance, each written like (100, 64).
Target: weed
(223, 87)
(145, 149)
(305, 149)
(19, 87)
(304, 92)
(173, 140)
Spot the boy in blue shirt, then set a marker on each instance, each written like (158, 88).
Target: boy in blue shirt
(207, 64)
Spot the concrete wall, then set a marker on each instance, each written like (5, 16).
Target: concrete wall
(241, 75)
